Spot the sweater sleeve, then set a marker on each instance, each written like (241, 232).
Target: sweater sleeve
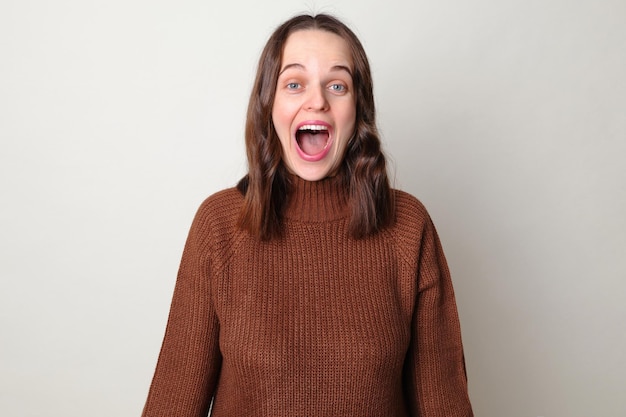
(189, 362)
(435, 375)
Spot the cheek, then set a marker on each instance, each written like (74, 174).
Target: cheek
(349, 116)
(350, 122)
(275, 115)
(281, 130)
(281, 117)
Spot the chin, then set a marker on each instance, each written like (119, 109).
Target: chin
(312, 174)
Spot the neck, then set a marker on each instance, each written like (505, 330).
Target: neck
(314, 201)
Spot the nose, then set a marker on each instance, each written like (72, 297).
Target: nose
(316, 99)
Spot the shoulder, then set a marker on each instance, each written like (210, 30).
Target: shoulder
(412, 224)
(224, 203)
(410, 212)
(216, 218)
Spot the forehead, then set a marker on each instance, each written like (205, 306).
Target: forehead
(316, 45)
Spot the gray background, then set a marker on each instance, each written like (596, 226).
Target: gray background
(506, 118)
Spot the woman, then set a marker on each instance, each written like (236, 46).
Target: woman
(312, 288)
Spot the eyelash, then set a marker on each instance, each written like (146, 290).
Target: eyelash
(336, 88)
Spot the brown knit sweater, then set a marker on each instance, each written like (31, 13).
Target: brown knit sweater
(315, 323)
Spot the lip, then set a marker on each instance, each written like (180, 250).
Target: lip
(321, 155)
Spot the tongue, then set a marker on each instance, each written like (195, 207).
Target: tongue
(312, 143)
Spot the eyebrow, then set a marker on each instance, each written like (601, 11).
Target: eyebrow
(302, 67)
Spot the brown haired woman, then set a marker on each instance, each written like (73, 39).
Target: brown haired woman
(312, 288)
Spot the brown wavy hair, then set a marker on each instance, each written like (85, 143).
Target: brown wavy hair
(363, 171)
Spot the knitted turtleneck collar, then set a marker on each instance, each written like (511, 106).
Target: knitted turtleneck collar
(317, 201)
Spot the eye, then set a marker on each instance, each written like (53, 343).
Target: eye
(337, 88)
(293, 86)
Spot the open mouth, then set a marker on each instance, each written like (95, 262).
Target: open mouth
(313, 140)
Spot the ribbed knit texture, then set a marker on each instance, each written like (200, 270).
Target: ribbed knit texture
(315, 323)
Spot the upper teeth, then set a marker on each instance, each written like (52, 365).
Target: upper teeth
(313, 127)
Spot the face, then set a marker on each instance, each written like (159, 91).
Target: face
(314, 108)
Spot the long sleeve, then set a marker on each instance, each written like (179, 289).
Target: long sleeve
(314, 323)
(189, 362)
(435, 376)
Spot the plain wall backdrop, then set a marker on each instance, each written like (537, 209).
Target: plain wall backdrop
(506, 118)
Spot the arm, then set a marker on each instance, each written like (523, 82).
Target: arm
(435, 376)
(189, 362)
